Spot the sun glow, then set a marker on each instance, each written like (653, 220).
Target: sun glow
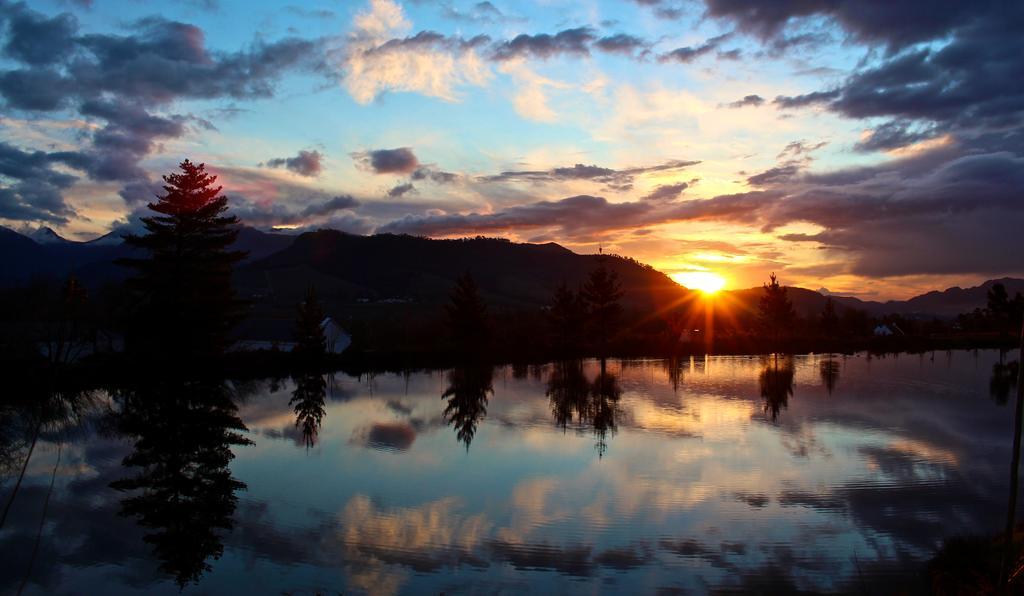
(705, 281)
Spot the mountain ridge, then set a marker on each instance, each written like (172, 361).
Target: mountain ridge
(394, 266)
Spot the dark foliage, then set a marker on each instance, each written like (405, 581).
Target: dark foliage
(469, 389)
(308, 401)
(601, 293)
(185, 302)
(467, 316)
(182, 491)
(310, 341)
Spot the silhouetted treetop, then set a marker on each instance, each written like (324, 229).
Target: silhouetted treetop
(182, 284)
(310, 341)
(775, 309)
(467, 314)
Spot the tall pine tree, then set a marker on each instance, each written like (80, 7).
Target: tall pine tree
(310, 341)
(602, 292)
(185, 302)
(467, 316)
(775, 311)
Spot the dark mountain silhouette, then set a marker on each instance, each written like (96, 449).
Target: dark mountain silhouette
(946, 303)
(387, 267)
(46, 255)
(399, 267)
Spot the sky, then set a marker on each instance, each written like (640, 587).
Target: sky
(871, 148)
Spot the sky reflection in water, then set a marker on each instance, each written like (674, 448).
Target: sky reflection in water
(703, 475)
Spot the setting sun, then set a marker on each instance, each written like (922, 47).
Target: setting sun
(705, 281)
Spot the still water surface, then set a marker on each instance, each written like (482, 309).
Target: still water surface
(699, 476)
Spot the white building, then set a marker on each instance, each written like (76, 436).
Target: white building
(338, 340)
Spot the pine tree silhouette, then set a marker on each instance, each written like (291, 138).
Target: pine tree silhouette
(602, 292)
(566, 319)
(185, 301)
(467, 315)
(310, 341)
(775, 311)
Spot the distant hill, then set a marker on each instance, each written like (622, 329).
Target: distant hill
(396, 268)
(399, 267)
(944, 304)
(44, 254)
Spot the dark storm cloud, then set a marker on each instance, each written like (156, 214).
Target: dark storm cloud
(123, 79)
(284, 212)
(570, 41)
(434, 175)
(896, 24)
(621, 43)
(400, 189)
(429, 40)
(688, 54)
(666, 192)
(388, 161)
(35, 89)
(893, 135)
(574, 216)
(615, 179)
(747, 101)
(330, 206)
(808, 99)
(33, 189)
(967, 84)
(33, 38)
(774, 175)
(306, 163)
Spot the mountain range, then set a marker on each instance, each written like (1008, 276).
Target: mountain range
(398, 268)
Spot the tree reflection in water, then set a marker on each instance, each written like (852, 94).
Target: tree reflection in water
(182, 490)
(469, 388)
(593, 404)
(776, 383)
(829, 373)
(308, 401)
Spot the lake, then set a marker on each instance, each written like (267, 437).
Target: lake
(701, 475)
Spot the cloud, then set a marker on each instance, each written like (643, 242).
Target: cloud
(774, 175)
(688, 54)
(433, 174)
(388, 161)
(377, 60)
(748, 100)
(894, 24)
(306, 163)
(621, 43)
(666, 192)
(893, 135)
(400, 189)
(33, 190)
(34, 39)
(123, 80)
(786, 102)
(481, 13)
(616, 179)
(543, 46)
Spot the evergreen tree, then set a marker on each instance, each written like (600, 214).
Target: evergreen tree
(566, 319)
(467, 315)
(601, 293)
(469, 389)
(186, 303)
(1001, 308)
(829, 320)
(308, 401)
(310, 342)
(775, 310)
